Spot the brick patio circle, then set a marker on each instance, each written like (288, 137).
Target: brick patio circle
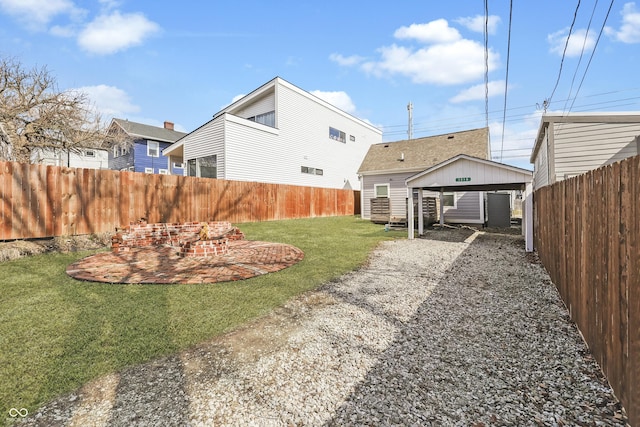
(162, 264)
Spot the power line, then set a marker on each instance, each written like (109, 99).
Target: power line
(564, 52)
(584, 44)
(604, 23)
(506, 79)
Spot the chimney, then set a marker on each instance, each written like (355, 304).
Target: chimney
(168, 125)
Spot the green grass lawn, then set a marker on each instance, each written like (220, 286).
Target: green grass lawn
(57, 333)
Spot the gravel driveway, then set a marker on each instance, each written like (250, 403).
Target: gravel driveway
(434, 331)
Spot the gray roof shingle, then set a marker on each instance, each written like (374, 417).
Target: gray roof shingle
(154, 133)
(422, 153)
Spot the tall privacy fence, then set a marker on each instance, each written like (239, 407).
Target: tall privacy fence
(44, 201)
(587, 234)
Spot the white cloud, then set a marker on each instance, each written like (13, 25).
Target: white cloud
(346, 61)
(36, 14)
(630, 30)
(448, 63)
(338, 99)
(445, 59)
(578, 42)
(437, 31)
(109, 34)
(109, 101)
(476, 23)
(478, 92)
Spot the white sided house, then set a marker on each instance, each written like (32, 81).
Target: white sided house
(279, 134)
(386, 166)
(83, 158)
(572, 144)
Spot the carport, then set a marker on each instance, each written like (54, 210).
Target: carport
(467, 173)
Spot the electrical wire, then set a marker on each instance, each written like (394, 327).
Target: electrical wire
(604, 23)
(584, 44)
(564, 53)
(506, 79)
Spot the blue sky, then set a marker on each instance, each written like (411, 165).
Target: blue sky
(151, 61)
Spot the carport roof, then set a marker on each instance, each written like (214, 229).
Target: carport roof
(468, 173)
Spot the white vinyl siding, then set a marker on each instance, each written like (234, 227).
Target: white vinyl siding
(207, 141)
(581, 147)
(466, 210)
(541, 165)
(262, 105)
(256, 152)
(397, 193)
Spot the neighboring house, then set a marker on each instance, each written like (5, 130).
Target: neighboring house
(574, 143)
(387, 165)
(143, 153)
(85, 158)
(279, 134)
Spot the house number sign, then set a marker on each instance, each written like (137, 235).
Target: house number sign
(465, 179)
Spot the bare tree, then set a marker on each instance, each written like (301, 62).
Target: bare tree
(35, 115)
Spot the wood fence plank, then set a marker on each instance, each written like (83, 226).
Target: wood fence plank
(633, 256)
(6, 208)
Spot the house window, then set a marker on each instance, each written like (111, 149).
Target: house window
(163, 171)
(381, 190)
(178, 165)
(153, 149)
(148, 170)
(89, 153)
(115, 151)
(312, 171)
(338, 135)
(449, 199)
(203, 167)
(268, 119)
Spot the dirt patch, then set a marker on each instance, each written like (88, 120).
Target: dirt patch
(14, 249)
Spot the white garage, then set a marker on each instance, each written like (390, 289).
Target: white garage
(467, 173)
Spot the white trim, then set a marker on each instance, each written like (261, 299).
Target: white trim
(157, 150)
(148, 170)
(375, 189)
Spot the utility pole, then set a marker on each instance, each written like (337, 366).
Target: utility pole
(410, 109)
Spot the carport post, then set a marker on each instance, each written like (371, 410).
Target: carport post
(442, 207)
(420, 213)
(410, 213)
(528, 217)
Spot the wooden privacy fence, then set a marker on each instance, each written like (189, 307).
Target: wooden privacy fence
(44, 201)
(587, 234)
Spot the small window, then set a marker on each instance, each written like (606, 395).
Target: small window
(338, 135)
(115, 151)
(268, 119)
(89, 153)
(163, 172)
(178, 165)
(310, 170)
(382, 190)
(153, 149)
(449, 199)
(148, 170)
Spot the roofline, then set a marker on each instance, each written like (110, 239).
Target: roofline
(587, 117)
(472, 158)
(117, 121)
(279, 80)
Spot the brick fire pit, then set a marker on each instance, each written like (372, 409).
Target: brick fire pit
(194, 239)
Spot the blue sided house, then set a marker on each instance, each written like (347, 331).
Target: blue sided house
(141, 148)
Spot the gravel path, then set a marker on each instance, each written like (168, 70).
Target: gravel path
(432, 331)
